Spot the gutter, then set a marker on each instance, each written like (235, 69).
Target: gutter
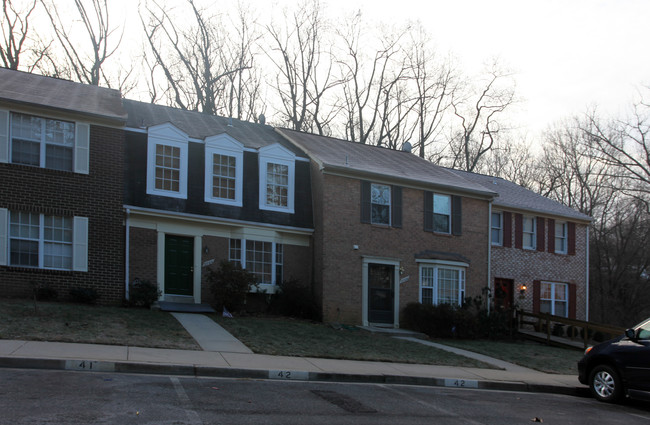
(126, 267)
(489, 262)
(587, 276)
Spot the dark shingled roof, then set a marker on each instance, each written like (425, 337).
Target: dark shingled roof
(81, 99)
(513, 196)
(199, 126)
(337, 155)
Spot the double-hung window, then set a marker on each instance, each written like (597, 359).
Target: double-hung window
(43, 241)
(496, 225)
(224, 158)
(441, 213)
(554, 298)
(44, 142)
(380, 202)
(442, 284)
(167, 150)
(561, 237)
(263, 259)
(529, 233)
(277, 179)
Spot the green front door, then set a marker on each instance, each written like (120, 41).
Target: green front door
(179, 260)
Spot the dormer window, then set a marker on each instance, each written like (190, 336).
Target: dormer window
(167, 161)
(277, 179)
(224, 159)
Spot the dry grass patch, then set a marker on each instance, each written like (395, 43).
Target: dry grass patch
(65, 322)
(291, 337)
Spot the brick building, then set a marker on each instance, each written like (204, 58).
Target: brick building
(392, 228)
(540, 251)
(61, 162)
(96, 191)
(200, 189)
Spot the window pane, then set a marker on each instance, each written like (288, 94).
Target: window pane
(25, 152)
(496, 220)
(59, 132)
(23, 253)
(259, 260)
(277, 184)
(441, 223)
(448, 285)
(167, 168)
(26, 127)
(58, 157)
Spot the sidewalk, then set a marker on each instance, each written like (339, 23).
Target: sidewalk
(225, 356)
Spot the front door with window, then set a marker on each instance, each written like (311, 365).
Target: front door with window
(179, 260)
(503, 299)
(381, 293)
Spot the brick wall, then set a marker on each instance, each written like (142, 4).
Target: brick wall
(525, 266)
(340, 266)
(143, 252)
(97, 196)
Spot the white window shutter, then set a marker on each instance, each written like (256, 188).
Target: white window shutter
(4, 136)
(80, 244)
(82, 149)
(4, 236)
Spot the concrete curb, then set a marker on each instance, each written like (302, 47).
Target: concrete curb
(261, 374)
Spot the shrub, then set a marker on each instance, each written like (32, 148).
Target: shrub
(143, 293)
(439, 321)
(295, 300)
(84, 295)
(229, 285)
(44, 292)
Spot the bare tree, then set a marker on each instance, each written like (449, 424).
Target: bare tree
(85, 65)
(304, 68)
(368, 82)
(15, 25)
(435, 83)
(624, 146)
(513, 159)
(479, 112)
(197, 63)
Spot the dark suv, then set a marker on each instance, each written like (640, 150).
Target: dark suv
(620, 366)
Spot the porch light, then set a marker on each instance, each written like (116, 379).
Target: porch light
(522, 289)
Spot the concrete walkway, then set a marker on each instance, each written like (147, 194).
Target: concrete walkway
(225, 356)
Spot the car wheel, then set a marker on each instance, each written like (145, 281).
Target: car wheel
(605, 384)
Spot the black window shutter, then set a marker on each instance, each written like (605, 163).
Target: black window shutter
(365, 201)
(456, 215)
(396, 205)
(428, 211)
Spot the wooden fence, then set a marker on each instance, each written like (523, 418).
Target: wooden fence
(570, 329)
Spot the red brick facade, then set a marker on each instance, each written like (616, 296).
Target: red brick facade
(527, 266)
(97, 196)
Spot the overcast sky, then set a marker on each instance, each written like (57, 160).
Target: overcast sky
(568, 55)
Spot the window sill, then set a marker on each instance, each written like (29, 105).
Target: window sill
(36, 270)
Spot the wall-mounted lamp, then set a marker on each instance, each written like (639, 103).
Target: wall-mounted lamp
(206, 250)
(522, 289)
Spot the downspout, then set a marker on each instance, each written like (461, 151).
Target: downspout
(126, 267)
(489, 262)
(587, 282)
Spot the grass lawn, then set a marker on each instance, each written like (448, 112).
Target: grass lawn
(64, 322)
(289, 337)
(529, 354)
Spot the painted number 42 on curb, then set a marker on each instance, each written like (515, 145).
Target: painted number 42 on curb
(461, 383)
(288, 375)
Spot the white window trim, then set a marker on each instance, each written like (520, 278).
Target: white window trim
(268, 288)
(224, 145)
(442, 264)
(500, 228)
(276, 154)
(168, 135)
(564, 225)
(81, 148)
(552, 299)
(524, 233)
(390, 204)
(79, 242)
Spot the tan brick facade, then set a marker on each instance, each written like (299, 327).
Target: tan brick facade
(339, 266)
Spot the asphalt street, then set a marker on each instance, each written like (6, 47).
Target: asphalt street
(67, 397)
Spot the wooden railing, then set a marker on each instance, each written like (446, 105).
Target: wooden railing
(576, 330)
